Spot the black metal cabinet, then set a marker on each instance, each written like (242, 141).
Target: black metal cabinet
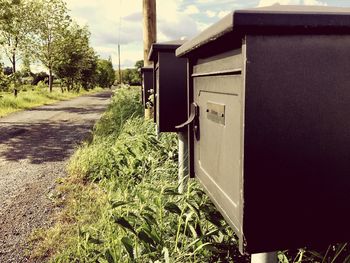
(147, 84)
(170, 82)
(269, 89)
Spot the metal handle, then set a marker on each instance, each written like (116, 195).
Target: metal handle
(194, 118)
(191, 118)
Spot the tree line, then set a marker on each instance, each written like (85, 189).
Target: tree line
(131, 76)
(43, 31)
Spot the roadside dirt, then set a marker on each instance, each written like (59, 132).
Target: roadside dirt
(35, 146)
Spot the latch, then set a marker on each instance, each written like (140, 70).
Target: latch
(193, 119)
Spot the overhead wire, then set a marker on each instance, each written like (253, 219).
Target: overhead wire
(119, 29)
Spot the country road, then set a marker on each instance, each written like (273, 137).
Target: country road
(35, 146)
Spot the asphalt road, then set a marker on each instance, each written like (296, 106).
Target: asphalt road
(35, 146)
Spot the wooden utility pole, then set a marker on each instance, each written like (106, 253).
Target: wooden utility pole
(120, 71)
(149, 28)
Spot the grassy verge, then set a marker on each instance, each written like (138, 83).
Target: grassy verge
(33, 98)
(122, 202)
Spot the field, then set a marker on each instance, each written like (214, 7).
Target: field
(33, 97)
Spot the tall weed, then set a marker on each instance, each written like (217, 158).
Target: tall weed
(123, 204)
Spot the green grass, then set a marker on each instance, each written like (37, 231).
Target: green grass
(33, 98)
(122, 202)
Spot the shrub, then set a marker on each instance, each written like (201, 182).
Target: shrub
(123, 203)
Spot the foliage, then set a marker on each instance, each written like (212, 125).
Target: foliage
(41, 76)
(105, 73)
(7, 71)
(74, 59)
(25, 67)
(16, 27)
(52, 20)
(332, 254)
(31, 96)
(131, 76)
(42, 30)
(123, 203)
(4, 81)
(139, 65)
(89, 72)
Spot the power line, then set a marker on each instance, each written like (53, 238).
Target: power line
(119, 29)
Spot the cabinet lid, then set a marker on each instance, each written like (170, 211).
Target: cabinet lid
(279, 18)
(164, 47)
(147, 68)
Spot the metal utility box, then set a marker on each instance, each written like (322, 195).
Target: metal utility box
(269, 95)
(170, 85)
(147, 84)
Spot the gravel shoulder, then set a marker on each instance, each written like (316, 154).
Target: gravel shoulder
(35, 146)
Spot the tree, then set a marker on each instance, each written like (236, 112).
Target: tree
(131, 76)
(89, 72)
(16, 26)
(3, 78)
(75, 61)
(51, 23)
(105, 73)
(139, 65)
(25, 67)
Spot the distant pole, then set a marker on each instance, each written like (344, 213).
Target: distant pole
(120, 72)
(149, 28)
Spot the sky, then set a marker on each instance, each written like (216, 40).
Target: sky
(120, 21)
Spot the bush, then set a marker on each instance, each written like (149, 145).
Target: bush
(123, 203)
(42, 76)
(4, 82)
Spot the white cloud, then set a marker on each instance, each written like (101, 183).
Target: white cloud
(290, 2)
(221, 14)
(81, 21)
(210, 13)
(282, 2)
(113, 21)
(314, 2)
(201, 26)
(38, 67)
(203, 1)
(173, 24)
(161, 37)
(191, 10)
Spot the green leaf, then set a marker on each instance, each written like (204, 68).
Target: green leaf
(193, 231)
(142, 235)
(214, 217)
(149, 209)
(193, 207)
(127, 242)
(207, 246)
(95, 241)
(109, 257)
(170, 191)
(154, 235)
(282, 258)
(150, 220)
(116, 204)
(124, 223)
(173, 208)
(131, 152)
